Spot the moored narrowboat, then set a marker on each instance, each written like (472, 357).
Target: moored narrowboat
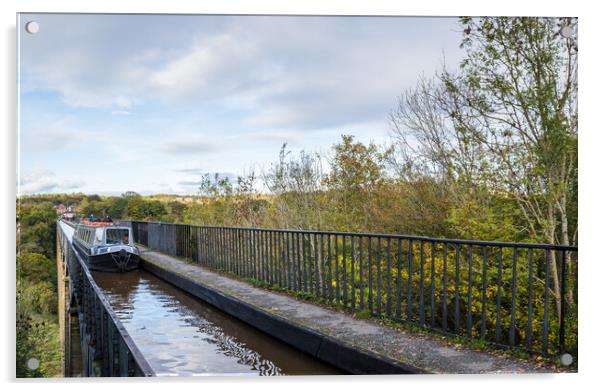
(106, 246)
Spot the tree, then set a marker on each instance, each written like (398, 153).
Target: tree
(130, 194)
(356, 172)
(516, 96)
(116, 207)
(506, 121)
(296, 181)
(216, 196)
(247, 207)
(37, 333)
(89, 207)
(37, 228)
(141, 209)
(177, 209)
(35, 268)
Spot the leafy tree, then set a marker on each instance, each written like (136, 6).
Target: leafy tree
(248, 209)
(37, 334)
(176, 209)
(87, 208)
(35, 268)
(93, 198)
(37, 213)
(140, 209)
(36, 337)
(505, 122)
(117, 207)
(516, 96)
(37, 228)
(130, 194)
(296, 182)
(357, 170)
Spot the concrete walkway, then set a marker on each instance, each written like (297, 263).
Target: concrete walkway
(426, 353)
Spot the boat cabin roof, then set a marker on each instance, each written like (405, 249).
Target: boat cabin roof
(102, 233)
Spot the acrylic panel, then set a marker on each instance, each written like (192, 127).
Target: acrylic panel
(210, 195)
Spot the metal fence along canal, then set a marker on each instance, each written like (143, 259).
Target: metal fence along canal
(106, 347)
(514, 295)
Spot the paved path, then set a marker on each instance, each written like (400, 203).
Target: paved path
(420, 351)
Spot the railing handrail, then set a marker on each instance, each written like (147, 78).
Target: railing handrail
(69, 223)
(131, 345)
(552, 247)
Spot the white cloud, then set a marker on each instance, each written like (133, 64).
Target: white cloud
(56, 136)
(199, 67)
(225, 92)
(285, 71)
(45, 181)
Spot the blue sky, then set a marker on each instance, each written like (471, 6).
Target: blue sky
(149, 103)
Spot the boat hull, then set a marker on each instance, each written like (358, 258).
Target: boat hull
(109, 262)
(106, 263)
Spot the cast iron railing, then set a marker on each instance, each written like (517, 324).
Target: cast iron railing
(107, 348)
(503, 293)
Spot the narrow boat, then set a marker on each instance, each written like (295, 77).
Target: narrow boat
(106, 246)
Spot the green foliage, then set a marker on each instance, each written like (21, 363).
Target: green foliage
(32, 214)
(357, 173)
(516, 98)
(116, 207)
(37, 337)
(40, 297)
(35, 268)
(355, 166)
(176, 210)
(36, 327)
(130, 194)
(141, 209)
(38, 237)
(495, 220)
(363, 314)
(37, 229)
(298, 197)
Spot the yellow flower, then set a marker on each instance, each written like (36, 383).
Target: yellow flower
(334, 284)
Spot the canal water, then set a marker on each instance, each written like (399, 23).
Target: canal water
(182, 335)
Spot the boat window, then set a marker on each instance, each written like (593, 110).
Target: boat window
(118, 236)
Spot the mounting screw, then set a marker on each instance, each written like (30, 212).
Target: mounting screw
(32, 27)
(566, 31)
(566, 359)
(33, 363)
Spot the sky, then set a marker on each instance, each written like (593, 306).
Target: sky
(150, 103)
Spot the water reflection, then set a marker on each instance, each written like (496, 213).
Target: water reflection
(181, 335)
